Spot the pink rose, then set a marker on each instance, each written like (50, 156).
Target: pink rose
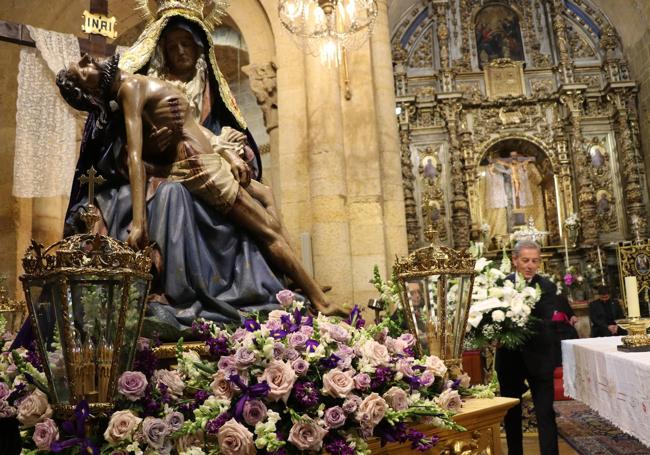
(171, 379)
(334, 332)
(132, 385)
(244, 357)
(450, 400)
(235, 439)
(45, 433)
(435, 365)
(5, 391)
(396, 345)
(371, 410)
(121, 426)
(405, 366)
(375, 354)
(397, 398)
(465, 380)
(407, 338)
(427, 378)
(221, 387)
(34, 408)
(306, 435)
(297, 340)
(280, 377)
(337, 383)
(285, 297)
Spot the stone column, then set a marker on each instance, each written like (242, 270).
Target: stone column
(559, 29)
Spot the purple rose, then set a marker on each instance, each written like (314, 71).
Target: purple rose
(450, 400)
(407, 338)
(273, 324)
(333, 332)
(300, 366)
(239, 334)
(174, 420)
(307, 330)
(5, 391)
(427, 378)
(254, 411)
(290, 354)
(397, 399)
(132, 385)
(244, 357)
(278, 351)
(228, 365)
(297, 340)
(351, 404)
(362, 381)
(172, 380)
(155, 431)
(335, 417)
(285, 297)
(45, 433)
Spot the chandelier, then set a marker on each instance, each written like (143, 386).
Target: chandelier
(327, 28)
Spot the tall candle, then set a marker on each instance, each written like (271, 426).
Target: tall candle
(600, 264)
(632, 297)
(566, 252)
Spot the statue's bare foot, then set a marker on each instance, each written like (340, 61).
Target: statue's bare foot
(327, 309)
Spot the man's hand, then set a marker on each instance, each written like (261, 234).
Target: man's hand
(161, 137)
(613, 329)
(138, 238)
(573, 320)
(240, 169)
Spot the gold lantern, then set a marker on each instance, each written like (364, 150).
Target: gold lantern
(86, 299)
(436, 283)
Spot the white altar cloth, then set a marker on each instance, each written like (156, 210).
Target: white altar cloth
(614, 384)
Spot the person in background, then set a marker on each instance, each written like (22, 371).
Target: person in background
(534, 361)
(564, 321)
(603, 312)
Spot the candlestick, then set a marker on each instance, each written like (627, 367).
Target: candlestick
(600, 264)
(566, 252)
(632, 297)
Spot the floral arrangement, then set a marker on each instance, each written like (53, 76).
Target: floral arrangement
(500, 312)
(288, 383)
(572, 221)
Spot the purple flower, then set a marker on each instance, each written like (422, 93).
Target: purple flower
(355, 319)
(335, 417)
(338, 446)
(239, 334)
(306, 393)
(132, 385)
(254, 411)
(274, 325)
(218, 346)
(300, 366)
(251, 325)
(279, 333)
(278, 351)
(212, 427)
(383, 375)
(351, 404)
(290, 354)
(311, 345)
(4, 390)
(330, 362)
(420, 442)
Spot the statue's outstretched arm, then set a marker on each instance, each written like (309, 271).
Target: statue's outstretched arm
(132, 98)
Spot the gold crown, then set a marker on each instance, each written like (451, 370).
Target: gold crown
(209, 12)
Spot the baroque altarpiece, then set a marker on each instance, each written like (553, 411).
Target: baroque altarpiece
(517, 112)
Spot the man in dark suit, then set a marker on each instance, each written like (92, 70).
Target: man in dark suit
(534, 361)
(603, 312)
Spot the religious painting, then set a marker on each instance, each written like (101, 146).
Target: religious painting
(597, 155)
(498, 34)
(604, 202)
(642, 264)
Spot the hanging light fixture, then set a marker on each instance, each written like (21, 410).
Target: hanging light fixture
(327, 28)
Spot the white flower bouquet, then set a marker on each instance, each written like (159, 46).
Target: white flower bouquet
(500, 312)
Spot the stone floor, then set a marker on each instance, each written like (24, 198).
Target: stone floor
(531, 447)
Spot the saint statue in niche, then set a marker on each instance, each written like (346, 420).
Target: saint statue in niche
(597, 154)
(603, 203)
(642, 264)
(498, 34)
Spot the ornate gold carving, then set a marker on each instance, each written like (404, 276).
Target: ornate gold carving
(542, 87)
(503, 77)
(433, 260)
(422, 56)
(479, 442)
(581, 47)
(408, 183)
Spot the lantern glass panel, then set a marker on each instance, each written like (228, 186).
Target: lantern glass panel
(48, 332)
(436, 313)
(136, 296)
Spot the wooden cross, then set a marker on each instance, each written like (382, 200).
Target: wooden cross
(91, 177)
(94, 45)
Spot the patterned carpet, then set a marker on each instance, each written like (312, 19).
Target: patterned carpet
(590, 434)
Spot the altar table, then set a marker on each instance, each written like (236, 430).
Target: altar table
(614, 384)
(481, 417)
